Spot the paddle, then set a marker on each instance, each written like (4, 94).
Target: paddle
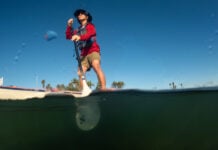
(86, 90)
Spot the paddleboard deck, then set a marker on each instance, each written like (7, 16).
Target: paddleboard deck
(16, 93)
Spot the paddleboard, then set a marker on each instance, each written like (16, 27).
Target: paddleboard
(17, 93)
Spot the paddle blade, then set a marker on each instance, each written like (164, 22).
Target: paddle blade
(86, 91)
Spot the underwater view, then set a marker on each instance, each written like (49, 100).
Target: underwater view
(128, 119)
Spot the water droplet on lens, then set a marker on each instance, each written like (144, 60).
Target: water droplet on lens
(23, 44)
(211, 40)
(16, 58)
(212, 15)
(50, 35)
(210, 47)
(19, 52)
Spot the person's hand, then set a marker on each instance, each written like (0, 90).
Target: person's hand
(75, 38)
(70, 22)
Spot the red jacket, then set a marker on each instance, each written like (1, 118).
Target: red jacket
(90, 32)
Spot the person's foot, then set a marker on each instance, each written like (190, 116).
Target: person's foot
(106, 89)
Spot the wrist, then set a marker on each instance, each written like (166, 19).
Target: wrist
(69, 24)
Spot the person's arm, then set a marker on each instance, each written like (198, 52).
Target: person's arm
(69, 30)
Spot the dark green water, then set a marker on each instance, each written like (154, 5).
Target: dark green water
(127, 120)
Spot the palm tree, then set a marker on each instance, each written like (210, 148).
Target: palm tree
(43, 84)
(48, 87)
(173, 85)
(61, 87)
(75, 84)
(118, 84)
(114, 84)
(90, 84)
(98, 86)
(70, 86)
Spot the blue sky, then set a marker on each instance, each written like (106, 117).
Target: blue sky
(145, 43)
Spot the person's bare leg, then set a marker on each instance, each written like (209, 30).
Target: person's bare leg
(100, 74)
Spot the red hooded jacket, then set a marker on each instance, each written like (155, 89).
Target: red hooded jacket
(90, 32)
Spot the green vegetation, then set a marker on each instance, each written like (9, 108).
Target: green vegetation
(74, 85)
(174, 86)
(119, 84)
(43, 84)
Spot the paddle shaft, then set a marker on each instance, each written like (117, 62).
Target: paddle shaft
(78, 57)
(86, 90)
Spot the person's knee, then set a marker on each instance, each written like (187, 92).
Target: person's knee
(96, 65)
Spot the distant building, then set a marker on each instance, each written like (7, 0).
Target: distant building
(1, 81)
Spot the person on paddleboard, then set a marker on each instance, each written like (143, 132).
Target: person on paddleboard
(85, 36)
